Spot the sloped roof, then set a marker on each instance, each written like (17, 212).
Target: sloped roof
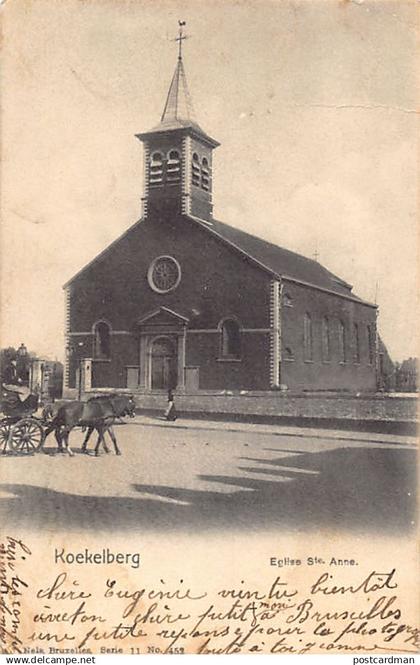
(279, 260)
(178, 112)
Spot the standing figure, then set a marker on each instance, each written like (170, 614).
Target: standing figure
(10, 374)
(170, 412)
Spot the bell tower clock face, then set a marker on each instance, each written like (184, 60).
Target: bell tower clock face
(164, 274)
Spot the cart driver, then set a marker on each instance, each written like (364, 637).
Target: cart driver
(14, 385)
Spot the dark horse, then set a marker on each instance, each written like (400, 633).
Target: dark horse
(123, 405)
(99, 414)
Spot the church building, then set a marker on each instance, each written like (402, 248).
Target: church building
(184, 301)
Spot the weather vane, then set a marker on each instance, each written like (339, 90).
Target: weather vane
(180, 38)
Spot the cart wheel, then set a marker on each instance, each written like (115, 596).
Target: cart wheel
(4, 436)
(26, 436)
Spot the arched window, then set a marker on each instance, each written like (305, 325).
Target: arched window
(341, 342)
(307, 337)
(101, 341)
(231, 339)
(173, 167)
(156, 170)
(205, 174)
(356, 344)
(326, 347)
(195, 170)
(371, 344)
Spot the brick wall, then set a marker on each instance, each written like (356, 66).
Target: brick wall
(364, 408)
(216, 283)
(299, 372)
(251, 373)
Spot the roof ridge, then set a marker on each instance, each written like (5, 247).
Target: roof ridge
(276, 263)
(204, 224)
(328, 282)
(103, 252)
(285, 249)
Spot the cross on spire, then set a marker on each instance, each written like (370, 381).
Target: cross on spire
(180, 38)
(178, 103)
(178, 112)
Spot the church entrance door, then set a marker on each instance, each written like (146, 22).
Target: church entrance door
(164, 374)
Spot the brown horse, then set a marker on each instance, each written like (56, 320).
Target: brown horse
(123, 405)
(97, 414)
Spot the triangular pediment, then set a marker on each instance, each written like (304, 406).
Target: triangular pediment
(163, 316)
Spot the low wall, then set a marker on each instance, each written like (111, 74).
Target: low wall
(273, 404)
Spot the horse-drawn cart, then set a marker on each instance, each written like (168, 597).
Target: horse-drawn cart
(20, 430)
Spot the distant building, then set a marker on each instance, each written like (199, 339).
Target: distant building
(46, 378)
(182, 300)
(406, 375)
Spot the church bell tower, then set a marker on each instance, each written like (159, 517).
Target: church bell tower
(178, 154)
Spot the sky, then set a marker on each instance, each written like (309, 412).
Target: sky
(313, 102)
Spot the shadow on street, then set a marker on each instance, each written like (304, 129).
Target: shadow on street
(347, 489)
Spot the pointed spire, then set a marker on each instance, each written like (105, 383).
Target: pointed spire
(178, 112)
(178, 104)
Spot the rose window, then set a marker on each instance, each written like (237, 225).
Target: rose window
(164, 274)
